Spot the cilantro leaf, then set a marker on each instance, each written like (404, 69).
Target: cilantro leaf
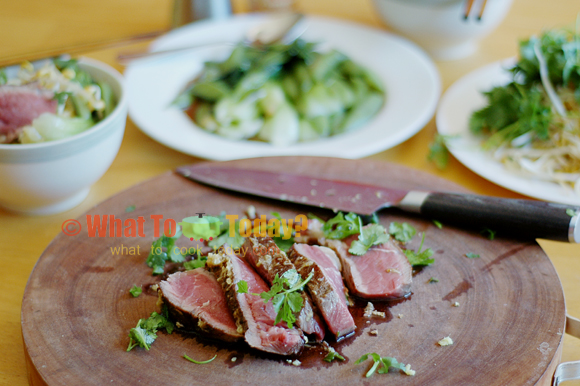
(224, 237)
(420, 257)
(145, 333)
(3, 77)
(372, 234)
(341, 226)
(402, 232)
(135, 291)
(242, 287)
(199, 362)
(571, 212)
(385, 363)
(433, 280)
(130, 208)
(164, 249)
(472, 255)
(490, 234)
(438, 224)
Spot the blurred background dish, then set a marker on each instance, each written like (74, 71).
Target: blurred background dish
(440, 26)
(54, 176)
(410, 78)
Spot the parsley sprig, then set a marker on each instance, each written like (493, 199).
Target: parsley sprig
(284, 294)
(145, 333)
(383, 364)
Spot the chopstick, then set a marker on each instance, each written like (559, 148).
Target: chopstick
(469, 5)
(78, 48)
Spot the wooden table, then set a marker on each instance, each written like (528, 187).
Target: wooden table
(24, 238)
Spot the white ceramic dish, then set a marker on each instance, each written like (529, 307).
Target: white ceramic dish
(457, 104)
(410, 77)
(51, 177)
(439, 25)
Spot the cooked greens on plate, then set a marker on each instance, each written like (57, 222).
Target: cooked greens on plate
(282, 94)
(55, 100)
(532, 125)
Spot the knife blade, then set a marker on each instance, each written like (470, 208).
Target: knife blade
(514, 217)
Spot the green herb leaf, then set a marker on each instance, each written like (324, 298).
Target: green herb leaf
(433, 280)
(490, 234)
(472, 255)
(130, 208)
(420, 257)
(438, 153)
(135, 291)
(199, 362)
(341, 226)
(438, 224)
(164, 249)
(224, 237)
(571, 212)
(242, 287)
(195, 263)
(333, 355)
(372, 234)
(3, 77)
(384, 364)
(144, 334)
(402, 232)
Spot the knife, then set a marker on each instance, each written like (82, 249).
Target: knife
(515, 217)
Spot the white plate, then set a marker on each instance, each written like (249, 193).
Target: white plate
(410, 77)
(457, 104)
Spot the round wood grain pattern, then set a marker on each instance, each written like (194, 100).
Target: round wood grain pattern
(507, 329)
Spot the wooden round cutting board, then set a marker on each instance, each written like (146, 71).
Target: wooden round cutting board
(507, 329)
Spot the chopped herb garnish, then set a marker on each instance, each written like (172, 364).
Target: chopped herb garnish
(332, 355)
(438, 153)
(136, 291)
(490, 234)
(402, 232)
(433, 280)
(438, 224)
(283, 241)
(286, 299)
(164, 249)
(145, 333)
(571, 212)
(130, 208)
(420, 257)
(472, 255)
(199, 362)
(372, 234)
(383, 364)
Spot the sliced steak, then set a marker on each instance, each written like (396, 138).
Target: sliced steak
(326, 287)
(253, 317)
(195, 299)
(382, 273)
(268, 260)
(19, 106)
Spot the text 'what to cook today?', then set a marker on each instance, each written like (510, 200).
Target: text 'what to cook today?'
(195, 228)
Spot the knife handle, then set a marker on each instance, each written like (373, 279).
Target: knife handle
(523, 218)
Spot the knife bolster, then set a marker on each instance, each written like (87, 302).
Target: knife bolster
(413, 201)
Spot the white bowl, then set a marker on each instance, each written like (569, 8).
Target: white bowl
(51, 177)
(439, 26)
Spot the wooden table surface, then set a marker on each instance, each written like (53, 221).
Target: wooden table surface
(35, 23)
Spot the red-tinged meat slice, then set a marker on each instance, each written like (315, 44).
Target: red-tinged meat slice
(326, 287)
(382, 273)
(195, 299)
(268, 260)
(253, 317)
(19, 106)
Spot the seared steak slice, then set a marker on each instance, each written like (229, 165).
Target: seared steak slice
(268, 260)
(253, 317)
(382, 273)
(326, 287)
(195, 299)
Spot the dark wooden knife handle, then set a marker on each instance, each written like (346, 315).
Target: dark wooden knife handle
(522, 218)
